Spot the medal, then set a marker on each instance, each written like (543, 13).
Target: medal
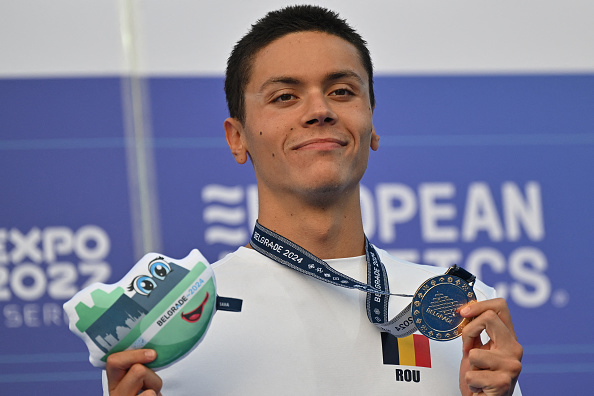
(436, 302)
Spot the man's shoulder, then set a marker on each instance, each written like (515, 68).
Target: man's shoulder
(242, 263)
(227, 258)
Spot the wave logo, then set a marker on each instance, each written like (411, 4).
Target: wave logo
(229, 213)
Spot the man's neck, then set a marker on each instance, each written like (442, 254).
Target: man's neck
(333, 230)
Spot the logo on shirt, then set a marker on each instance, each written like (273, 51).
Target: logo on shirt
(413, 351)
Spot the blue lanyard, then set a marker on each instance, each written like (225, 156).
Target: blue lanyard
(286, 252)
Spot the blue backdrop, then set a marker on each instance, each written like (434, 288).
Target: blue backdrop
(491, 172)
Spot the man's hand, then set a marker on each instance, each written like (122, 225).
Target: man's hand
(493, 368)
(127, 374)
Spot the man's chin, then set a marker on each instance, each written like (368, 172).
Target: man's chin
(325, 192)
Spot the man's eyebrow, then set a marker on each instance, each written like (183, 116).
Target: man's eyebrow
(333, 76)
(337, 75)
(279, 80)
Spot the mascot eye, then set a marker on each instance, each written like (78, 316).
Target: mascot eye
(159, 269)
(144, 284)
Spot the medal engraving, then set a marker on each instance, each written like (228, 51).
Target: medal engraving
(435, 307)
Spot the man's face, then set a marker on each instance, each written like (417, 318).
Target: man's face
(308, 125)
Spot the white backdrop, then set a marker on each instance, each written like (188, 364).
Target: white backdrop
(189, 37)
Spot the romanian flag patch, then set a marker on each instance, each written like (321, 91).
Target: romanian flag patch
(408, 351)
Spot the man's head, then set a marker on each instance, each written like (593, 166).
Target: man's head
(274, 25)
(306, 118)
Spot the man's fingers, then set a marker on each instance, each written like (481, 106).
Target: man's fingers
(139, 377)
(480, 359)
(126, 371)
(497, 305)
(492, 372)
(492, 368)
(150, 392)
(119, 363)
(497, 331)
(495, 366)
(489, 382)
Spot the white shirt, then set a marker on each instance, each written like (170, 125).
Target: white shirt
(297, 335)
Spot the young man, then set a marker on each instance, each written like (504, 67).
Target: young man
(300, 95)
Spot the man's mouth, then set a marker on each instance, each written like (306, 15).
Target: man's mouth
(194, 316)
(320, 144)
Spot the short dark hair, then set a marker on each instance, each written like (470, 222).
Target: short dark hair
(276, 24)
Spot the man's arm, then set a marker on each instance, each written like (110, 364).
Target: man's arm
(492, 368)
(127, 374)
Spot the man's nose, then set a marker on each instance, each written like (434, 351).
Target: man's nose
(318, 112)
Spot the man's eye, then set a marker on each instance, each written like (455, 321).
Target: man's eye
(341, 92)
(284, 98)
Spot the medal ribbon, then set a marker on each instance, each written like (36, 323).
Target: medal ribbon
(287, 253)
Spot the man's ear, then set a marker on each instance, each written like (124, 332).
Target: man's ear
(234, 135)
(374, 139)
